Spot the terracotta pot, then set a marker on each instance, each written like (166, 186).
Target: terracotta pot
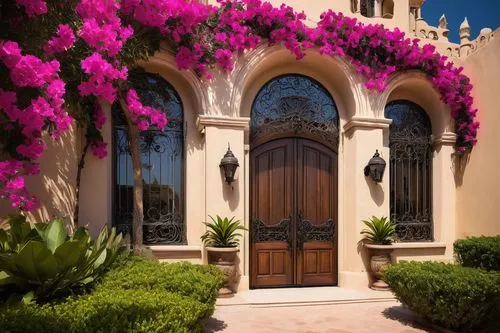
(379, 260)
(226, 259)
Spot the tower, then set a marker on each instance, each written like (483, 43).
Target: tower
(465, 43)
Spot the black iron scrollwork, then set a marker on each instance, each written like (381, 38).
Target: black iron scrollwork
(307, 232)
(295, 104)
(279, 232)
(162, 159)
(410, 170)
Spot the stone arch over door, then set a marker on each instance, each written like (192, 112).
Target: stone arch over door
(293, 184)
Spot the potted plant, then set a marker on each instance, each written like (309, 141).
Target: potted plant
(221, 241)
(378, 236)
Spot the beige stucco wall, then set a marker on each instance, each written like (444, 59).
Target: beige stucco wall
(55, 187)
(314, 8)
(478, 193)
(217, 113)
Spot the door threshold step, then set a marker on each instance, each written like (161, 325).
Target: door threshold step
(305, 297)
(312, 303)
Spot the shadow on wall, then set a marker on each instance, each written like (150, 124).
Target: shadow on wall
(55, 186)
(231, 192)
(376, 191)
(459, 166)
(365, 257)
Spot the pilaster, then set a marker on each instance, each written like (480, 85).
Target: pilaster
(221, 198)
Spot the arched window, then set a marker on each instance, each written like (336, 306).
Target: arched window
(367, 8)
(410, 170)
(388, 8)
(162, 157)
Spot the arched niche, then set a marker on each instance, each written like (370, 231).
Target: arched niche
(416, 87)
(338, 77)
(388, 9)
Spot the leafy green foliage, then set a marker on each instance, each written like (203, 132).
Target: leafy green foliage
(43, 260)
(379, 231)
(481, 252)
(198, 282)
(223, 232)
(453, 296)
(136, 295)
(108, 311)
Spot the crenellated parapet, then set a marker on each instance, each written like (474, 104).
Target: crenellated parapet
(485, 36)
(438, 35)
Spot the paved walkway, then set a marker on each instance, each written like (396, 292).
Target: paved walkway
(373, 317)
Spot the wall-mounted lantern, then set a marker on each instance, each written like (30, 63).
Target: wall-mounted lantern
(375, 168)
(229, 163)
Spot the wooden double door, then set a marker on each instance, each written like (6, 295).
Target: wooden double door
(293, 214)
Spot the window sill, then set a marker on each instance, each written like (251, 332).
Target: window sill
(175, 248)
(416, 245)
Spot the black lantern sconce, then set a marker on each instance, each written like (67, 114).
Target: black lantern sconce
(375, 168)
(229, 163)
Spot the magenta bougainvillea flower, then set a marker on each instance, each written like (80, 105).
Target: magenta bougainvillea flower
(201, 37)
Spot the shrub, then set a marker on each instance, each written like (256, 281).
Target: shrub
(481, 252)
(450, 295)
(199, 282)
(109, 311)
(136, 295)
(43, 261)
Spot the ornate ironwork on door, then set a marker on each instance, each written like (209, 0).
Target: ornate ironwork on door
(279, 232)
(410, 170)
(295, 104)
(162, 157)
(308, 232)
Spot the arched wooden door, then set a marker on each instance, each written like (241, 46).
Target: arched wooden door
(293, 184)
(294, 214)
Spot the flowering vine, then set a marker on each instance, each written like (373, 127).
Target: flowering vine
(85, 57)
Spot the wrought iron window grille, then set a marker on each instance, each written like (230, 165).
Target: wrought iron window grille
(162, 157)
(410, 171)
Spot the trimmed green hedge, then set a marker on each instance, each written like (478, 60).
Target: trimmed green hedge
(196, 281)
(481, 252)
(137, 295)
(109, 311)
(452, 296)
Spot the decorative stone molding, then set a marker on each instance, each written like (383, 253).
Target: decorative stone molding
(165, 59)
(177, 252)
(439, 35)
(447, 138)
(409, 245)
(241, 123)
(426, 31)
(485, 36)
(362, 122)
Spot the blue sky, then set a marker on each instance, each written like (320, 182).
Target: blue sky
(480, 14)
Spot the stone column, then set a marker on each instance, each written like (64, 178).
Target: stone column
(356, 6)
(444, 192)
(378, 8)
(221, 198)
(361, 195)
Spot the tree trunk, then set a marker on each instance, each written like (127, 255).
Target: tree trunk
(81, 165)
(135, 153)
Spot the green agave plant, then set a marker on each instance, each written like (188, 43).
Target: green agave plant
(380, 230)
(223, 232)
(42, 261)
